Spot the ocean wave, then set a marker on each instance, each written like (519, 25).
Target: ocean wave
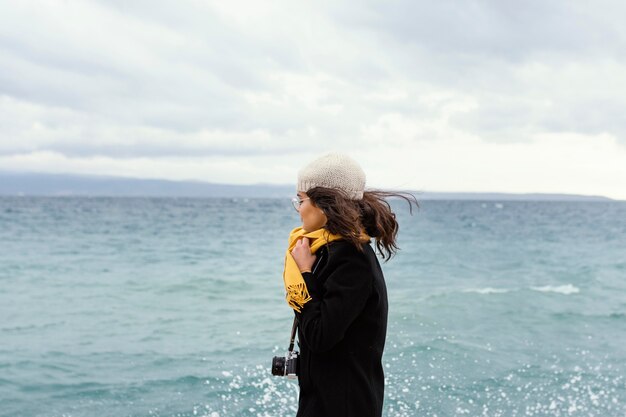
(567, 315)
(30, 327)
(488, 290)
(559, 289)
(566, 289)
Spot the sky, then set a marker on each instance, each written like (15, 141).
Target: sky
(454, 96)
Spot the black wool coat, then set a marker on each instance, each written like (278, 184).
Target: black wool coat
(341, 334)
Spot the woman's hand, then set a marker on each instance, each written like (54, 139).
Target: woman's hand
(302, 255)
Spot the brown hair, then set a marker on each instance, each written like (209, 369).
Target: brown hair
(373, 214)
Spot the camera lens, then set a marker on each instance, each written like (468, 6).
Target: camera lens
(278, 365)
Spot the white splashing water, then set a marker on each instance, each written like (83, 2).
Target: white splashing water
(560, 289)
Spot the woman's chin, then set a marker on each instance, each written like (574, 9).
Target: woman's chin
(311, 229)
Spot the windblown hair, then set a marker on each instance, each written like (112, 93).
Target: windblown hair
(373, 214)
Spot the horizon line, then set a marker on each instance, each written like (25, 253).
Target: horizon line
(267, 184)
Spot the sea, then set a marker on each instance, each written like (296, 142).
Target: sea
(145, 307)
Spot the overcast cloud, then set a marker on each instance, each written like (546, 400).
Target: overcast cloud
(434, 96)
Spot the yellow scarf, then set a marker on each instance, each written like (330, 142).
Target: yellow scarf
(297, 293)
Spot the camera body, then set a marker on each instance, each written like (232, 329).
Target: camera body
(286, 365)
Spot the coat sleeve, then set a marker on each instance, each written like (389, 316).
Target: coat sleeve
(324, 320)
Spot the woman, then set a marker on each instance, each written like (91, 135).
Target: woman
(337, 289)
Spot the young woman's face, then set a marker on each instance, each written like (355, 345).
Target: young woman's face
(312, 217)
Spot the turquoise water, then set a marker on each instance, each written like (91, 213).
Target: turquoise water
(174, 307)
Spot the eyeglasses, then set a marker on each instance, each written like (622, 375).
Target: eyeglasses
(297, 202)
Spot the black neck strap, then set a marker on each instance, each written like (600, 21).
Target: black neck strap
(293, 333)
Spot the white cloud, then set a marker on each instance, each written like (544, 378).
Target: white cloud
(448, 96)
(550, 163)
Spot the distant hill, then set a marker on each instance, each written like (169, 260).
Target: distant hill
(12, 183)
(513, 197)
(37, 184)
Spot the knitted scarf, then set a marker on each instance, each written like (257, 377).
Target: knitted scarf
(297, 293)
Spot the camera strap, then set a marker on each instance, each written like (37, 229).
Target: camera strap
(293, 333)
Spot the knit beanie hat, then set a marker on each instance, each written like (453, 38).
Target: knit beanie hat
(333, 170)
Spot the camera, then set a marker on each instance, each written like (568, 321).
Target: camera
(286, 365)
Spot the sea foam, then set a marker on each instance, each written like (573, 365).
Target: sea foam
(560, 289)
(487, 290)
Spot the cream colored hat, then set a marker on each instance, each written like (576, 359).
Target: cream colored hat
(333, 170)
